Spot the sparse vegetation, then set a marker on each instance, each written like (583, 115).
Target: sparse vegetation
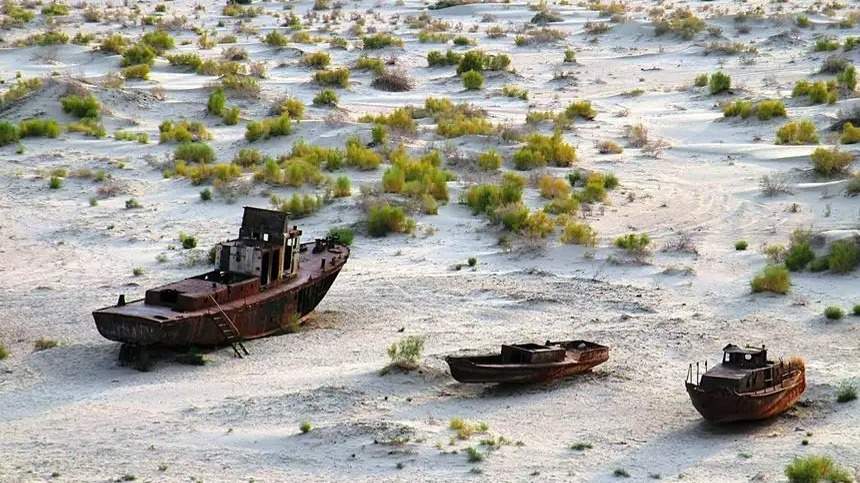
(764, 110)
(406, 353)
(797, 132)
(834, 313)
(384, 218)
(846, 391)
(831, 161)
(814, 468)
(773, 278)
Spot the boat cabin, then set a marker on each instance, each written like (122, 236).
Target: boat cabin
(267, 248)
(531, 354)
(743, 369)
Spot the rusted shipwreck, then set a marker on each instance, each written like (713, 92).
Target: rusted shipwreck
(746, 386)
(264, 283)
(529, 363)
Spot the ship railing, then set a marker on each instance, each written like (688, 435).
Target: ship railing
(695, 377)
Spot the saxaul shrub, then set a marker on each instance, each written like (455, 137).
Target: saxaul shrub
(139, 71)
(541, 150)
(275, 39)
(799, 253)
(406, 353)
(764, 110)
(384, 218)
(359, 156)
(182, 131)
(158, 40)
(342, 187)
(326, 97)
(380, 41)
(844, 256)
(582, 109)
(88, 126)
(399, 119)
(81, 106)
(551, 187)
(373, 64)
(578, 233)
(473, 80)
(719, 82)
(217, 102)
(436, 58)
(317, 60)
(797, 132)
(490, 160)
(8, 133)
(188, 59)
(39, 127)
(773, 278)
(338, 77)
(815, 468)
(194, 152)
(138, 54)
(820, 92)
(829, 162)
(269, 127)
(298, 206)
(850, 134)
(633, 243)
(248, 157)
(486, 198)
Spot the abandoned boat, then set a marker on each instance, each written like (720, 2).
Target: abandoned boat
(529, 363)
(746, 386)
(266, 282)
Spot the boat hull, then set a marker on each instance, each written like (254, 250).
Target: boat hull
(263, 314)
(724, 406)
(484, 370)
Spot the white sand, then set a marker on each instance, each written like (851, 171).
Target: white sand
(73, 411)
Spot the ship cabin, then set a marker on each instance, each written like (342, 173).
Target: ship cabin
(743, 369)
(265, 254)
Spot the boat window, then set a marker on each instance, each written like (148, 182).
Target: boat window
(265, 237)
(169, 296)
(747, 357)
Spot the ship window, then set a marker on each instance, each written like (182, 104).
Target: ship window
(747, 357)
(169, 296)
(265, 237)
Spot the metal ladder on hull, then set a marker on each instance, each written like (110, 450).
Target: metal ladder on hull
(229, 330)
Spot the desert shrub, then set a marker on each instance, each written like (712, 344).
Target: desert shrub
(299, 206)
(384, 218)
(490, 160)
(764, 110)
(342, 234)
(217, 102)
(373, 64)
(719, 82)
(581, 109)
(55, 183)
(813, 469)
(478, 61)
(541, 150)
(539, 224)
(551, 187)
(515, 91)
(539, 36)
(15, 16)
(393, 80)
(799, 252)
(81, 106)
(39, 127)
(275, 39)
(140, 137)
(88, 126)
(847, 78)
(609, 147)
(399, 119)
(486, 198)
(438, 59)
(269, 127)
(194, 152)
(113, 44)
(380, 41)
(139, 71)
(291, 106)
(844, 256)
(513, 216)
(331, 158)
(826, 44)
(831, 161)
(241, 85)
(819, 92)
(456, 124)
(317, 60)
(416, 177)
(4, 352)
(19, 90)
(741, 245)
(701, 80)
(342, 187)
(834, 64)
(338, 77)
(358, 156)
(846, 391)
(138, 54)
(633, 243)
(326, 97)
(247, 157)
(834, 313)
(681, 22)
(797, 132)
(406, 353)
(182, 131)
(8, 133)
(473, 80)
(850, 134)
(465, 429)
(158, 40)
(188, 59)
(50, 37)
(577, 233)
(379, 134)
(773, 278)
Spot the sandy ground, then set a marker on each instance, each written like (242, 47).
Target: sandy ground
(72, 414)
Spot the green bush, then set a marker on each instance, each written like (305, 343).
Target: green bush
(850, 134)
(632, 242)
(8, 133)
(406, 353)
(342, 187)
(113, 44)
(799, 252)
(269, 127)
(326, 97)
(701, 80)
(247, 157)
(438, 59)
(826, 44)
(358, 156)
(384, 218)
(343, 234)
(4, 352)
(231, 116)
(490, 160)
(577, 233)
(293, 107)
(275, 39)
(381, 40)
(316, 60)
(513, 216)
(828, 162)
(158, 40)
(139, 71)
(217, 102)
(834, 313)
(55, 183)
(813, 469)
(182, 131)
(81, 106)
(821, 92)
(195, 152)
(541, 150)
(39, 127)
(846, 392)
(847, 78)
(844, 256)
(486, 198)
(719, 82)
(473, 80)
(764, 109)
(458, 124)
(138, 54)
(338, 77)
(797, 132)
(741, 245)
(581, 109)
(188, 59)
(478, 61)
(399, 119)
(88, 126)
(773, 278)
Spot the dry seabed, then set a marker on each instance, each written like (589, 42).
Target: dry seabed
(639, 134)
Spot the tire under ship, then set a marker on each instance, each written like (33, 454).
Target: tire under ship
(265, 283)
(746, 386)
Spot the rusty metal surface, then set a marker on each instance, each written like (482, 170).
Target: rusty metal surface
(748, 389)
(258, 314)
(580, 356)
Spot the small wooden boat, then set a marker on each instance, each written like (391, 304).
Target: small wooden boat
(746, 386)
(265, 282)
(528, 363)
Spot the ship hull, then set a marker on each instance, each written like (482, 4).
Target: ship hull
(724, 406)
(489, 369)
